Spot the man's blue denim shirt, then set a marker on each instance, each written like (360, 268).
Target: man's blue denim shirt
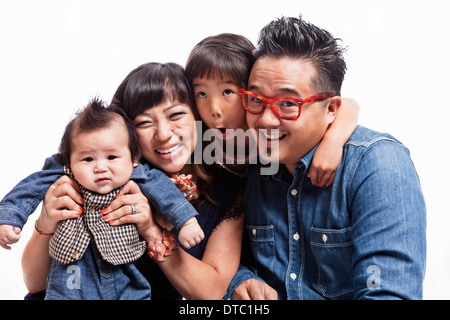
(23, 199)
(361, 238)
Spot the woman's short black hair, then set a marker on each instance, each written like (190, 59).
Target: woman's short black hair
(151, 84)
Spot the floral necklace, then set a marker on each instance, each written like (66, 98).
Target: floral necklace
(187, 182)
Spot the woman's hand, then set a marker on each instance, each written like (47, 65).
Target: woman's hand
(120, 211)
(62, 201)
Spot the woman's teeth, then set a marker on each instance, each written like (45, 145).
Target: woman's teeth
(169, 150)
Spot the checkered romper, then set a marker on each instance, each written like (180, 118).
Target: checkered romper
(116, 244)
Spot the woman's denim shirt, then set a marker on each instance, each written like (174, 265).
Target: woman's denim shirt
(23, 199)
(361, 238)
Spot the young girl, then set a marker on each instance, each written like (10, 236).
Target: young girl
(218, 66)
(99, 150)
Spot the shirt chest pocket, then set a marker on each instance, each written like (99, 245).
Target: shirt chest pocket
(333, 249)
(263, 249)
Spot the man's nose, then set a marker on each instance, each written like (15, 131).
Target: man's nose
(268, 118)
(164, 132)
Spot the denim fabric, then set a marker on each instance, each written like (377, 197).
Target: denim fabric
(23, 199)
(92, 278)
(361, 238)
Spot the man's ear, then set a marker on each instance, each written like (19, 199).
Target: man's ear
(333, 108)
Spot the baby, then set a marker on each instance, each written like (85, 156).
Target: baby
(100, 148)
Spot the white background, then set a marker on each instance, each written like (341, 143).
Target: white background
(56, 55)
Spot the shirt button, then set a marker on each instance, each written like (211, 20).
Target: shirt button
(296, 236)
(75, 255)
(294, 192)
(293, 276)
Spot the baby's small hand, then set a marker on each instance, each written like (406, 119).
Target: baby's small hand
(191, 234)
(8, 235)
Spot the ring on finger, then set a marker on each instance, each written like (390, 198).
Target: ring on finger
(134, 209)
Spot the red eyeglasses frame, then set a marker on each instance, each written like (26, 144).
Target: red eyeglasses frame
(270, 102)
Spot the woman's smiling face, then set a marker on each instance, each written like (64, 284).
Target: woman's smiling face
(167, 135)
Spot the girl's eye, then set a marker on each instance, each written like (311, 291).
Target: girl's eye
(201, 94)
(227, 92)
(88, 159)
(111, 157)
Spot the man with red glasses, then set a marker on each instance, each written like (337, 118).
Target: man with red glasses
(361, 238)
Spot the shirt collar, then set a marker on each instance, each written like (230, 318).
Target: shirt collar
(306, 159)
(300, 168)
